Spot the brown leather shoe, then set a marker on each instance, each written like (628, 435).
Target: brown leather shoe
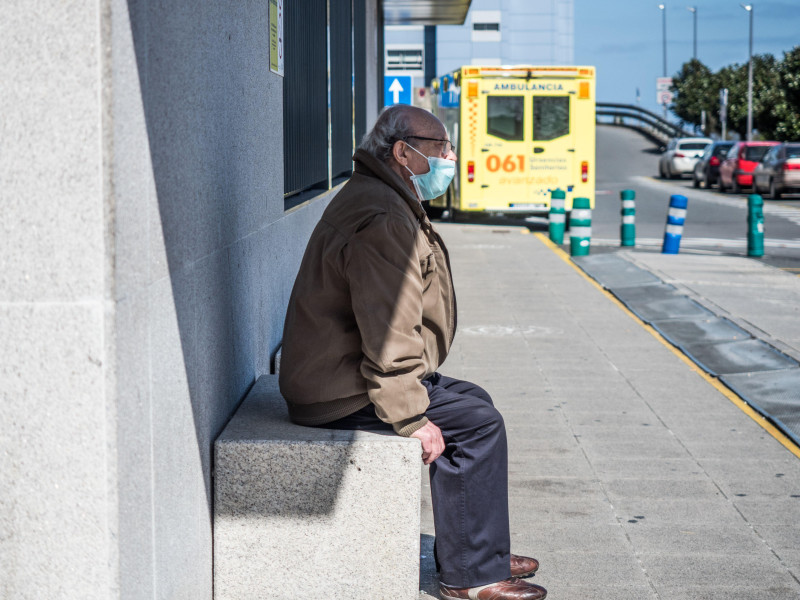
(509, 589)
(522, 566)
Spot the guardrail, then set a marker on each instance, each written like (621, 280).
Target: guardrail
(657, 128)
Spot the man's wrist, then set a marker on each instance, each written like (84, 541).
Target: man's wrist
(409, 426)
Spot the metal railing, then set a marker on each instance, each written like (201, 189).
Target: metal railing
(649, 123)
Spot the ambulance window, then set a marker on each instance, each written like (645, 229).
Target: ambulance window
(550, 117)
(506, 117)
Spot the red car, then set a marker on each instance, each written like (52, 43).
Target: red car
(736, 171)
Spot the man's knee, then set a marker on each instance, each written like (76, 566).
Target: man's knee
(487, 419)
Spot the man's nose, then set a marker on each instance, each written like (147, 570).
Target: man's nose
(451, 155)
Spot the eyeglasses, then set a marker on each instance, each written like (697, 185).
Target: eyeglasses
(446, 149)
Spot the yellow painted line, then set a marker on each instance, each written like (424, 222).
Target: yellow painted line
(713, 381)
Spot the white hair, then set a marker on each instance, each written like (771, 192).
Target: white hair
(394, 123)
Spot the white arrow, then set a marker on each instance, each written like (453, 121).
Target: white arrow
(396, 88)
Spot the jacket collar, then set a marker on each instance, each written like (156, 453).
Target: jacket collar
(367, 164)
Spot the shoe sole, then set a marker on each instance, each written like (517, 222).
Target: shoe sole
(528, 574)
(444, 596)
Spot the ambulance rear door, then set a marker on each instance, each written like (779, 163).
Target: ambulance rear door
(552, 151)
(504, 144)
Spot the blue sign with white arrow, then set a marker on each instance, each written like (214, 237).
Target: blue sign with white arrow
(396, 89)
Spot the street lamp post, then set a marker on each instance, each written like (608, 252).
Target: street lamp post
(662, 8)
(749, 8)
(693, 10)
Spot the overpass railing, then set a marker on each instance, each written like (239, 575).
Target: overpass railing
(649, 123)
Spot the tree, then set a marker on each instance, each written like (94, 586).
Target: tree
(776, 95)
(767, 96)
(734, 79)
(692, 87)
(788, 128)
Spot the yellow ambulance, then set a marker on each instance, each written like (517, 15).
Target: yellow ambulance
(520, 132)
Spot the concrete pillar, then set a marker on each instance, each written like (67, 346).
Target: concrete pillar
(57, 438)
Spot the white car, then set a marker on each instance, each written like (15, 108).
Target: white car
(681, 156)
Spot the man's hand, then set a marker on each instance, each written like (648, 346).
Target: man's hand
(432, 442)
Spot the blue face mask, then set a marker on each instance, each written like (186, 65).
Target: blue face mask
(434, 183)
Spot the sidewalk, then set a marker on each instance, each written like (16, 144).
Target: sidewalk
(631, 476)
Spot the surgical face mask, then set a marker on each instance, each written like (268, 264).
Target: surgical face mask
(434, 183)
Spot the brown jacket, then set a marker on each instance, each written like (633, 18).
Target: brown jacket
(373, 311)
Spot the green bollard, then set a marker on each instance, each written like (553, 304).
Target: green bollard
(627, 231)
(580, 227)
(755, 225)
(557, 216)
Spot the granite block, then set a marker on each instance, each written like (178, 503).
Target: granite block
(287, 496)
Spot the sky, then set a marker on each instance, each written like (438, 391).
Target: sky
(623, 39)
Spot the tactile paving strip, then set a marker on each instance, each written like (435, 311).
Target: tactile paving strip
(694, 331)
(679, 307)
(744, 356)
(775, 394)
(648, 291)
(614, 272)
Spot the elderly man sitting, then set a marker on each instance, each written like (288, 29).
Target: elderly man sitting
(371, 318)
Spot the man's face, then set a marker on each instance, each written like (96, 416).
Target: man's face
(430, 141)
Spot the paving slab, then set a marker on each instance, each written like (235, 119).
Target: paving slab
(744, 356)
(623, 455)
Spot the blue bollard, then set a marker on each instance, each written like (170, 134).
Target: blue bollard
(675, 219)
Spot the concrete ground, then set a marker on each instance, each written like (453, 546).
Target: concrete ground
(632, 475)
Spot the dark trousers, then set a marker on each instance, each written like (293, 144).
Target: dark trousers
(469, 481)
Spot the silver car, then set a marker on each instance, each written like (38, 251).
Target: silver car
(779, 171)
(680, 156)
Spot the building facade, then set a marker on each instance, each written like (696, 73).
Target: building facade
(495, 32)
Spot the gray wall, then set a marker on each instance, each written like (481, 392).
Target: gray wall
(56, 432)
(145, 266)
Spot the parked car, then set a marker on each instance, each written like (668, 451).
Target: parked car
(680, 156)
(779, 171)
(706, 170)
(736, 171)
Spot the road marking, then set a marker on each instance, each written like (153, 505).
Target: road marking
(713, 381)
(703, 242)
(784, 211)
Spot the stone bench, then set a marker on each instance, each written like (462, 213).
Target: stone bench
(301, 512)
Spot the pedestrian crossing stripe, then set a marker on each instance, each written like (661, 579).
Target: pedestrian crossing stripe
(784, 211)
(703, 242)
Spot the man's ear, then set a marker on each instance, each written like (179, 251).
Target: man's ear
(399, 152)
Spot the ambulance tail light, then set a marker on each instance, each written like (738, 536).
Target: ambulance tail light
(584, 171)
(470, 171)
(791, 166)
